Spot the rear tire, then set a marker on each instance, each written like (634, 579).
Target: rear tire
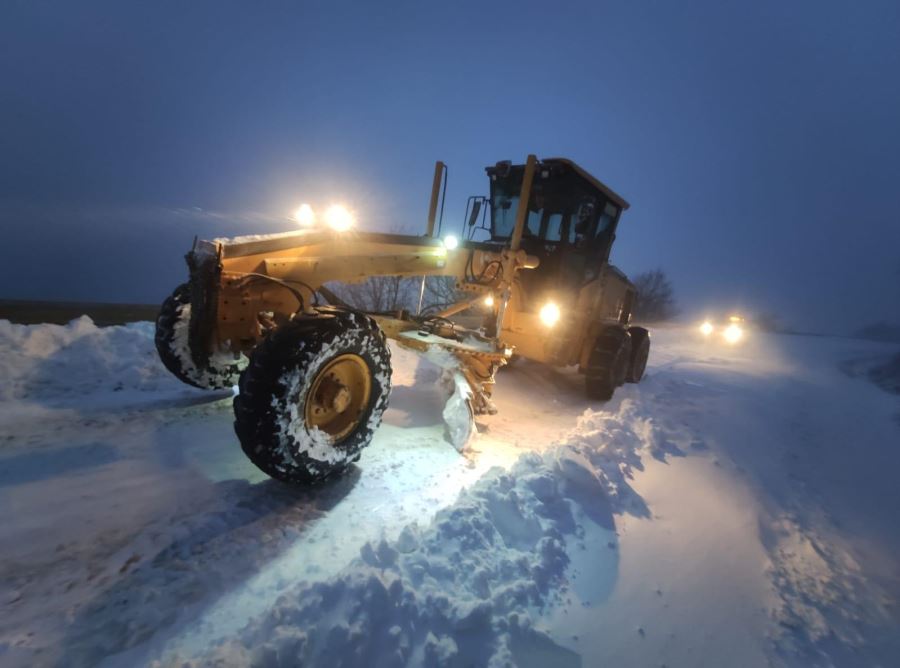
(174, 350)
(313, 395)
(608, 365)
(640, 352)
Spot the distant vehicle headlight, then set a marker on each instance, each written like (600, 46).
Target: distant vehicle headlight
(706, 328)
(549, 314)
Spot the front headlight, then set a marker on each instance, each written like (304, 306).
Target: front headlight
(339, 218)
(706, 328)
(549, 314)
(305, 215)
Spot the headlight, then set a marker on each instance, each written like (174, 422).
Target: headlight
(339, 218)
(305, 215)
(549, 314)
(489, 301)
(733, 333)
(450, 242)
(706, 328)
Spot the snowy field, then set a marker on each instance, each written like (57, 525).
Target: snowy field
(740, 507)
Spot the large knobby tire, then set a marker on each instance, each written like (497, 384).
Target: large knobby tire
(608, 365)
(640, 353)
(313, 395)
(173, 346)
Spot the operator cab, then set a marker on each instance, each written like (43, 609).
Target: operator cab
(571, 224)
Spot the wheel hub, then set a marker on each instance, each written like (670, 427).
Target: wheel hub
(339, 396)
(342, 399)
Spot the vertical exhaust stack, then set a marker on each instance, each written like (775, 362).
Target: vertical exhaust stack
(440, 170)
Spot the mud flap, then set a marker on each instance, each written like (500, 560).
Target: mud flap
(204, 282)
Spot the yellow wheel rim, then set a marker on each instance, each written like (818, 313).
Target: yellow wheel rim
(339, 396)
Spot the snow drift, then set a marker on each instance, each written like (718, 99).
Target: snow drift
(466, 589)
(68, 365)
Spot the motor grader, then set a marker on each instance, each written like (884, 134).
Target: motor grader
(314, 373)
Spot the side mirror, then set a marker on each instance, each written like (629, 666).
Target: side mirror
(476, 210)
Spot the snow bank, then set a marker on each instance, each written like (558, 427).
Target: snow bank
(67, 365)
(466, 589)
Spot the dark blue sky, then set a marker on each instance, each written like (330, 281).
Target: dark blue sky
(759, 143)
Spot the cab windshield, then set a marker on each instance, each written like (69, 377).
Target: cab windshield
(563, 208)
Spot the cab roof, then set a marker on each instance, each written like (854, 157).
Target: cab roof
(587, 176)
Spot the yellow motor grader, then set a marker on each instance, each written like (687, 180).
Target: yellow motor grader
(314, 373)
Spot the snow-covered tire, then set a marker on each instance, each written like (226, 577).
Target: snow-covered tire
(173, 346)
(640, 353)
(608, 364)
(284, 381)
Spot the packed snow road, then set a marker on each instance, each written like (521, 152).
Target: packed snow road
(738, 508)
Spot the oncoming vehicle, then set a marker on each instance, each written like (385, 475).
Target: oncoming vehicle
(314, 373)
(732, 330)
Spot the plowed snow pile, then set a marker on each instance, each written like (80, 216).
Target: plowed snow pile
(465, 588)
(80, 364)
(736, 508)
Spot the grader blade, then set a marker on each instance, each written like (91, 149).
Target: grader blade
(458, 414)
(468, 363)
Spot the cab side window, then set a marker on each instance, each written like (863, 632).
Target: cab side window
(610, 211)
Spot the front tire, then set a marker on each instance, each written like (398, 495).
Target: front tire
(608, 365)
(173, 345)
(313, 395)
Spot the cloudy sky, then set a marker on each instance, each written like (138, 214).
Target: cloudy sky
(758, 142)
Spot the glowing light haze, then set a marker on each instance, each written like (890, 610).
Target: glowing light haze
(758, 142)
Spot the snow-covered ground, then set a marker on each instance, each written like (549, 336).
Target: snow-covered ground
(737, 508)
